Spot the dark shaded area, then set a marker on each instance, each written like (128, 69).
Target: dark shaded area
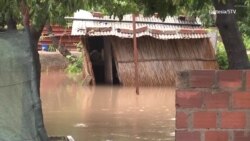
(96, 57)
(116, 80)
(96, 51)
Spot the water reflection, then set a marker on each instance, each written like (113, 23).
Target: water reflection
(106, 113)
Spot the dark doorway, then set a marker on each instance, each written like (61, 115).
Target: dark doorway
(116, 80)
(96, 57)
(96, 52)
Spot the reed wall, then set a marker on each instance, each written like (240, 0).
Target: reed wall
(159, 60)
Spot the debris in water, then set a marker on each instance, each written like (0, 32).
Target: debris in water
(173, 119)
(70, 138)
(80, 125)
(172, 134)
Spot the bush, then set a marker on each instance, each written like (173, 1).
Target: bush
(52, 48)
(76, 66)
(246, 40)
(221, 56)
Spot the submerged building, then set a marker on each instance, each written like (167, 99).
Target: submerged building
(164, 48)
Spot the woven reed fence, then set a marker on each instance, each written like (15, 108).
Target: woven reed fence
(160, 60)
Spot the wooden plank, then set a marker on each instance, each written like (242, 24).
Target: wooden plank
(108, 62)
(135, 55)
(88, 74)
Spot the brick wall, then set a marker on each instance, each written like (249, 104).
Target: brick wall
(213, 106)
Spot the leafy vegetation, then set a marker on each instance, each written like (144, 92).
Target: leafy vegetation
(76, 66)
(221, 56)
(52, 48)
(246, 40)
(243, 15)
(79, 46)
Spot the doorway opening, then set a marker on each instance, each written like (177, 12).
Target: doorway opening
(97, 56)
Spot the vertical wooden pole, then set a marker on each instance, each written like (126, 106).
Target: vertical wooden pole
(87, 65)
(108, 61)
(135, 56)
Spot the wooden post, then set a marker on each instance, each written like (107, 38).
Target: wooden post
(108, 62)
(135, 56)
(87, 65)
(213, 40)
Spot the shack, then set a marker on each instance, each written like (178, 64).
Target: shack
(164, 47)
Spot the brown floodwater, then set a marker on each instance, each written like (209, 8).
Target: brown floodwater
(106, 113)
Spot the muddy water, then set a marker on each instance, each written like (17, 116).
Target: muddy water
(106, 113)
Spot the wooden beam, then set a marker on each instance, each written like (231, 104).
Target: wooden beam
(135, 56)
(88, 75)
(108, 70)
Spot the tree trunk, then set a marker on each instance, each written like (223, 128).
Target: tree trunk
(231, 37)
(34, 39)
(34, 36)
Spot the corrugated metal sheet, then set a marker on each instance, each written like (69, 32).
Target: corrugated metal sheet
(171, 28)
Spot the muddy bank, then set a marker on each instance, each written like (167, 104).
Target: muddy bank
(53, 61)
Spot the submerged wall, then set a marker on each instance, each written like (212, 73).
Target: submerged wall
(54, 61)
(213, 106)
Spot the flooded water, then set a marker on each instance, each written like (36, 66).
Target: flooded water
(105, 113)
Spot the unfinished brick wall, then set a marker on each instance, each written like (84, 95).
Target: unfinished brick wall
(213, 106)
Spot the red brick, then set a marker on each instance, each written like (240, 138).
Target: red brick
(202, 79)
(216, 136)
(248, 79)
(204, 120)
(241, 136)
(187, 136)
(188, 99)
(231, 79)
(241, 100)
(181, 120)
(216, 100)
(233, 120)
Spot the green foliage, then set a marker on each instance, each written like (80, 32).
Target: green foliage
(58, 10)
(79, 46)
(9, 9)
(52, 48)
(246, 40)
(114, 7)
(162, 7)
(40, 11)
(243, 16)
(221, 56)
(76, 66)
